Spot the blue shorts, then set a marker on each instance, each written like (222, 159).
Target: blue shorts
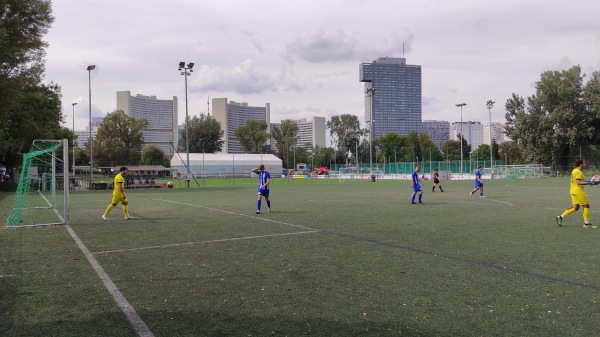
(478, 184)
(264, 192)
(417, 188)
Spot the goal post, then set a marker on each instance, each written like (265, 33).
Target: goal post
(42, 196)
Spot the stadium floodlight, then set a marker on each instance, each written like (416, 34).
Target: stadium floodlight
(73, 104)
(370, 93)
(91, 141)
(489, 105)
(186, 72)
(461, 138)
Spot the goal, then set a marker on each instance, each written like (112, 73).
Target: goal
(42, 196)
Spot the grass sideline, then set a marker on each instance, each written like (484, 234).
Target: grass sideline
(332, 259)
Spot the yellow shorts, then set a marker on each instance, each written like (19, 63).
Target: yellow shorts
(117, 198)
(579, 198)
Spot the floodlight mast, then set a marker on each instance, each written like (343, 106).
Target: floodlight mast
(73, 163)
(461, 138)
(89, 69)
(370, 93)
(186, 72)
(489, 105)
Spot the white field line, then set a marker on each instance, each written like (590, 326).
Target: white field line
(203, 242)
(477, 202)
(239, 214)
(504, 202)
(307, 230)
(138, 324)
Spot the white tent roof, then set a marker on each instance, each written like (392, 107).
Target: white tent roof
(225, 158)
(224, 164)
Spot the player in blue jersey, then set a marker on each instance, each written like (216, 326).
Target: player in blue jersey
(264, 179)
(416, 186)
(478, 183)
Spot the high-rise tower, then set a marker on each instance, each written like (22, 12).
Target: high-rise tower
(392, 95)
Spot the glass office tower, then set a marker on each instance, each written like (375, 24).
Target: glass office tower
(396, 101)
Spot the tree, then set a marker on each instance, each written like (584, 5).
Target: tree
(591, 96)
(511, 153)
(153, 154)
(346, 128)
(556, 120)
(285, 135)
(482, 152)
(119, 138)
(28, 109)
(206, 135)
(252, 136)
(392, 145)
(451, 149)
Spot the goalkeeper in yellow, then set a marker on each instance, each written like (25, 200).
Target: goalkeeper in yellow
(118, 195)
(578, 195)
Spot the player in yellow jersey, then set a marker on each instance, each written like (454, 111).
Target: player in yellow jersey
(578, 195)
(118, 195)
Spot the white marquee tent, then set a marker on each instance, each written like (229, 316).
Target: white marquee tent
(224, 164)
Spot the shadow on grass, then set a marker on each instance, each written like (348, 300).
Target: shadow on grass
(222, 324)
(8, 299)
(20, 324)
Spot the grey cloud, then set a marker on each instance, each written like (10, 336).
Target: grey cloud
(320, 47)
(260, 47)
(242, 79)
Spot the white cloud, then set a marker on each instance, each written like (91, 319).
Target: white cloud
(303, 57)
(242, 79)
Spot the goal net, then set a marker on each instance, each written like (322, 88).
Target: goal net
(42, 196)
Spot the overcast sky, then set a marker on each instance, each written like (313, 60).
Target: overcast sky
(303, 56)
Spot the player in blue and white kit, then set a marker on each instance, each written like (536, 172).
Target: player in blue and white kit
(478, 183)
(264, 179)
(416, 186)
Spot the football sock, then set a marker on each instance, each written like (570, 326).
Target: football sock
(567, 212)
(108, 209)
(269, 203)
(586, 215)
(413, 198)
(126, 210)
(420, 197)
(481, 194)
(258, 205)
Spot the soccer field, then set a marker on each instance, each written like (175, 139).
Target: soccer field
(331, 259)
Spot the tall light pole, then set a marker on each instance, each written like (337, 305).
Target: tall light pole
(461, 138)
(489, 105)
(371, 92)
(187, 69)
(89, 69)
(73, 104)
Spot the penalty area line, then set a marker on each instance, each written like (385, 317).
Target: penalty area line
(204, 242)
(238, 214)
(138, 323)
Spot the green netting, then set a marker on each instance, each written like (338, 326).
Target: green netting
(44, 179)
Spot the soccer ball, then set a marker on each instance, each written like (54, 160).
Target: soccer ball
(170, 184)
(595, 179)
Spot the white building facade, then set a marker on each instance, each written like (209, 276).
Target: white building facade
(497, 132)
(82, 137)
(471, 131)
(161, 115)
(232, 115)
(311, 132)
(438, 131)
